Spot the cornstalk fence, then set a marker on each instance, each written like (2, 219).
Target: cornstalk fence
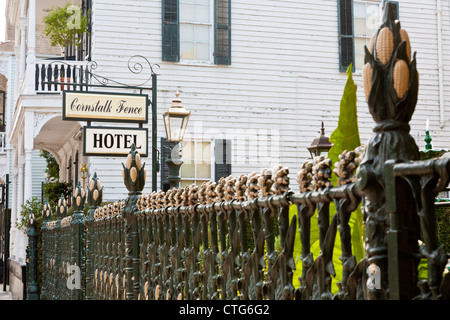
(219, 241)
(235, 239)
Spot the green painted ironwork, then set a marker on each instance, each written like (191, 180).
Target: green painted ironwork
(32, 285)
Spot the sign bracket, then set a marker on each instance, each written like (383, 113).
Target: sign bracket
(136, 65)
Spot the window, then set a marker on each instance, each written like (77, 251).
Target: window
(196, 167)
(69, 170)
(365, 21)
(202, 161)
(196, 30)
(358, 20)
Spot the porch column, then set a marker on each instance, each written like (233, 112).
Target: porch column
(17, 48)
(13, 230)
(28, 192)
(20, 189)
(31, 54)
(17, 237)
(22, 60)
(21, 237)
(28, 146)
(14, 176)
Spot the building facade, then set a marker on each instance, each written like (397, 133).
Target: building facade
(258, 77)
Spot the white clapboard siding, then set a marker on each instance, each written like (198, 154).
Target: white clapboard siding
(283, 79)
(39, 165)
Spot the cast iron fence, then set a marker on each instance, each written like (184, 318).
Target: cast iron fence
(220, 240)
(235, 239)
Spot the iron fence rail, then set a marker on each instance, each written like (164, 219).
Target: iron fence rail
(230, 240)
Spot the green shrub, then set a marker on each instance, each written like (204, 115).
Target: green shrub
(443, 226)
(54, 190)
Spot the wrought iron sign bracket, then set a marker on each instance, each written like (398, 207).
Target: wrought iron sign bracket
(136, 65)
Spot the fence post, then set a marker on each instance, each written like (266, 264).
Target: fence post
(77, 225)
(59, 282)
(134, 179)
(32, 286)
(391, 100)
(94, 199)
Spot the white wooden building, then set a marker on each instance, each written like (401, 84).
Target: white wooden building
(259, 75)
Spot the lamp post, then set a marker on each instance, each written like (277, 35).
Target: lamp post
(84, 173)
(428, 139)
(175, 122)
(320, 145)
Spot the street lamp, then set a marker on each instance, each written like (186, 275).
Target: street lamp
(320, 145)
(175, 122)
(84, 173)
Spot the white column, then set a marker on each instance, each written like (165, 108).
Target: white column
(14, 203)
(17, 69)
(13, 230)
(20, 189)
(17, 233)
(20, 236)
(14, 177)
(31, 54)
(23, 42)
(28, 192)
(28, 146)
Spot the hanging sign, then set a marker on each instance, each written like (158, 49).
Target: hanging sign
(113, 141)
(105, 106)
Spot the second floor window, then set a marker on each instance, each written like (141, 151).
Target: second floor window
(358, 20)
(196, 30)
(365, 20)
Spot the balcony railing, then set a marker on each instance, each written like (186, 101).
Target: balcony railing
(51, 73)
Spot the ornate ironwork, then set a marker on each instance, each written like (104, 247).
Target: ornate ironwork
(85, 74)
(31, 252)
(391, 85)
(235, 238)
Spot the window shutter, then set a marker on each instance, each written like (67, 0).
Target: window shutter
(170, 31)
(222, 155)
(346, 41)
(165, 153)
(222, 32)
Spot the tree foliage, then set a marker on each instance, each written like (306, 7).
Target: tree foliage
(344, 137)
(65, 25)
(52, 169)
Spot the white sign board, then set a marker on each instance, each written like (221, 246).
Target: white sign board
(113, 141)
(102, 106)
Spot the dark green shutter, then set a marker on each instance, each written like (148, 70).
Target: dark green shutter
(165, 153)
(222, 155)
(346, 41)
(170, 31)
(222, 32)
